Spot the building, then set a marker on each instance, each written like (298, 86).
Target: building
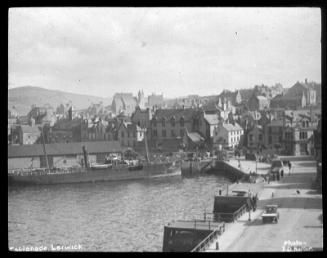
(299, 89)
(28, 134)
(66, 130)
(227, 135)
(287, 102)
(255, 138)
(274, 134)
(168, 126)
(59, 154)
(142, 117)
(129, 134)
(155, 100)
(234, 97)
(123, 102)
(258, 103)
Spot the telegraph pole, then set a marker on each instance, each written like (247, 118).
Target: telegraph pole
(45, 153)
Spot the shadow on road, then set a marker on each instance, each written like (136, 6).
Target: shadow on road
(289, 186)
(306, 164)
(293, 202)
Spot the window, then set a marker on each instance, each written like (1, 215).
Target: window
(303, 123)
(163, 122)
(122, 134)
(251, 137)
(139, 123)
(307, 123)
(172, 122)
(172, 133)
(280, 139)
(127, 134)
(181, 122)
(154, 132)
(134, 134)
(154, 122)
(260, 137)
(163, 133)
(270, 140)
(269, 130)
(182, 132)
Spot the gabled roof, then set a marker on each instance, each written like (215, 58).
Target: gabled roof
(186, 113)
(59, 149)
(30, 129)
(212, 119)
(231, 127)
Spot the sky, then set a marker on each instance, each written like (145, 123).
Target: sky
(174, 51)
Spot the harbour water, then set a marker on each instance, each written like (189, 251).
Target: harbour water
(106, 216)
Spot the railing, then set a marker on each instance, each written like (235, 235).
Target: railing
(230, 216)
(205, 243)
(44, 171)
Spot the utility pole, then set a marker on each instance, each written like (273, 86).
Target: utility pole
(45, 153)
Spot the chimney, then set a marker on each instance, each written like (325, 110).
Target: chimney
(306, 80)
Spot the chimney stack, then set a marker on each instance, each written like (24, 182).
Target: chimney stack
(306, 80)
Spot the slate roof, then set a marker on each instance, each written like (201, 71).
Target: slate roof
(59, 149)
(30, 129)
(212, 119)
(186, 113)
(231, 127)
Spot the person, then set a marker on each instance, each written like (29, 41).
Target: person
(289, 167)
(282, 173)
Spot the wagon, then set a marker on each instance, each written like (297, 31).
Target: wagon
(270, 214)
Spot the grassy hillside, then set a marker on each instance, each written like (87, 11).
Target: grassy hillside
(24, 97)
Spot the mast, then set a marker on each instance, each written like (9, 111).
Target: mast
(146, 146)
(45, 153)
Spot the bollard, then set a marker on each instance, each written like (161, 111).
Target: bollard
(217, 245)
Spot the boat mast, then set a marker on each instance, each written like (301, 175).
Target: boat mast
(146, 146)
(45, 153)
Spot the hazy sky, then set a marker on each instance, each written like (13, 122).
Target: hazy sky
(174, 51)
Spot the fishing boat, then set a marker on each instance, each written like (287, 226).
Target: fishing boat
(112, 169)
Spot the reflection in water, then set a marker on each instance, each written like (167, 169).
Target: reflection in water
(107, 216)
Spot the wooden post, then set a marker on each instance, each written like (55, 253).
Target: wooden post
(45, 153)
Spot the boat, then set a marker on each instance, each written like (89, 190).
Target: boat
(113, 169)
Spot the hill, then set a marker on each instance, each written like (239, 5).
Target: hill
(24, 97)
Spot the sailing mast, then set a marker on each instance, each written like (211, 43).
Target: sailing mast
(45, 153)
(146, 146)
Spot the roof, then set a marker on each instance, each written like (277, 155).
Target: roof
(58, 149)
(231, 127)
(186, 113)
(30, 129)
(262, 98)
(212, 119)
(276, 123)
(126, 98)
(195, 137)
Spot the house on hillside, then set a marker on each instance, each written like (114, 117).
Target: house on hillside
(127, 103)
(307, 89)
(258, 103)
(227, 135)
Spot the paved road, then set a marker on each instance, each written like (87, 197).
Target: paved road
(300, 215)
